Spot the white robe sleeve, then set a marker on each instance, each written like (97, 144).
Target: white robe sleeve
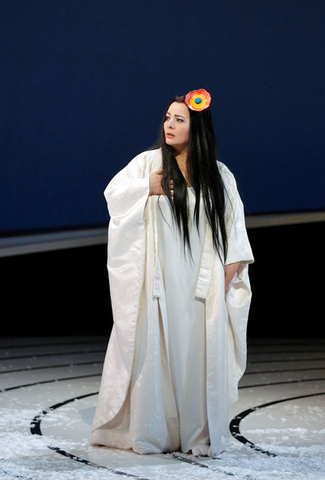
(127, 197)
(127, 190)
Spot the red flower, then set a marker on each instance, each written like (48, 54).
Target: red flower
(198, 99)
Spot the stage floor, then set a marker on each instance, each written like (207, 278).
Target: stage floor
(48, 393)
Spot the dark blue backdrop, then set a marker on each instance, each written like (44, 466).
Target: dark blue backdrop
(83, 84)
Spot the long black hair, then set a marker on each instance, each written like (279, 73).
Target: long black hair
(203, 175)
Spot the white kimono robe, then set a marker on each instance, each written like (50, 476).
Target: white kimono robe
(136, 286)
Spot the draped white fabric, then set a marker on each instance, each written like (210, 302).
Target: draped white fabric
(178, 344)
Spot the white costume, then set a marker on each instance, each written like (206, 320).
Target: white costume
(178, 344)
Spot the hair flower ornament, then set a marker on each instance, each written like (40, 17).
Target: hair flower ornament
(198, 100)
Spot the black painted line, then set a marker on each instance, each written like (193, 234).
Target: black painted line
(92, 464)
(284, 360)
(35, 428)
(56, 344)
(280, 343)
(235, 422)
(43, 382)
(51, 354)
(286, 352)
(290, 370)
(287, 382)
(47, 367)
(99, 362)
(191, 461)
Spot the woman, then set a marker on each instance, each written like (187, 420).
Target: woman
(178, 257)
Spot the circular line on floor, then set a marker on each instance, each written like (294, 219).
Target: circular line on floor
(235, 422)
(35, 429)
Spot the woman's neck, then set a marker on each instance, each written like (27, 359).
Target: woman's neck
(181, 156)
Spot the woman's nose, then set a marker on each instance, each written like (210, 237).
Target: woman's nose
(171, 123)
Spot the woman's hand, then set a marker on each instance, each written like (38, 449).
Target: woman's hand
(155, 187)
(230, 272)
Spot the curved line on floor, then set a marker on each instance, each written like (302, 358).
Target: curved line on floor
(35, 428)
(235, 422)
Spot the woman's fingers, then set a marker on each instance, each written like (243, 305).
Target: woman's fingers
(155, 179)
(155, 187)
(171, 187)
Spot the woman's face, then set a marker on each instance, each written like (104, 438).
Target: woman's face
(177, 127)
